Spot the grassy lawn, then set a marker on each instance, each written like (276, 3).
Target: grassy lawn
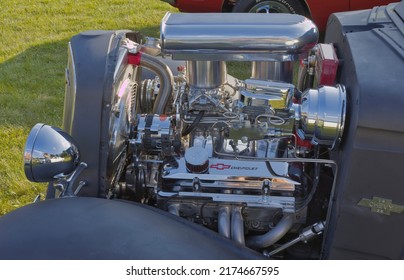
(33, 57)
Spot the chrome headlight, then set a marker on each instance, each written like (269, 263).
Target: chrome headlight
(49, 151)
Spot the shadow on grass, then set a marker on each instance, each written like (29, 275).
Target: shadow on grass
(31, 91)
(32, 85)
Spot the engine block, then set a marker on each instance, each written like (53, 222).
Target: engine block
(235, 155)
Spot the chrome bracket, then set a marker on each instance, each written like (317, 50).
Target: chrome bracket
(64, 183)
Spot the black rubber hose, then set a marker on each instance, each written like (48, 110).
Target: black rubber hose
(198, 118)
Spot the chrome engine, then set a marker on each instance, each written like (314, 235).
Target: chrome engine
(241, 157)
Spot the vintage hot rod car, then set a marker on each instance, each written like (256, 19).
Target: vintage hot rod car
(169, 157)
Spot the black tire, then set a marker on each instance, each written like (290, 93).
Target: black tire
(269, 6)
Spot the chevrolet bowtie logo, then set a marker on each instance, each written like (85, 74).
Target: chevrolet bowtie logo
(220, 166)
(381, 205)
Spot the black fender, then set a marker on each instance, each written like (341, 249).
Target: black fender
(360, 225)
(96, 228)
(89, 80)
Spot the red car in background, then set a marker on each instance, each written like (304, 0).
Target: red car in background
(318, 10)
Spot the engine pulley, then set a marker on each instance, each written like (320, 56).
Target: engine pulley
(154, 133)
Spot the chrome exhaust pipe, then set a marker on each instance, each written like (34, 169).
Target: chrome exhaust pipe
(223, 221)
(166, 81)
(237, 226)
(272, 236)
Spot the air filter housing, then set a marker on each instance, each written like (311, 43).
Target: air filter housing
(240, 37)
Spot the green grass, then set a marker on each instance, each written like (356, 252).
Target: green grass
(33, 56)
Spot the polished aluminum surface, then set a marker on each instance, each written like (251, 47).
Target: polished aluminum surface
(233, 36)
(49, 152)
(223, 221)
(323, 114)
(281, 71)
(287, 204)
(160, 125)
(233, 171)
(272, 236)
(151, 46)
(206, 74)
(257, 91)
(166, 81)
(307, 235)
(237, 225)
(121, 64)
(64, 183)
